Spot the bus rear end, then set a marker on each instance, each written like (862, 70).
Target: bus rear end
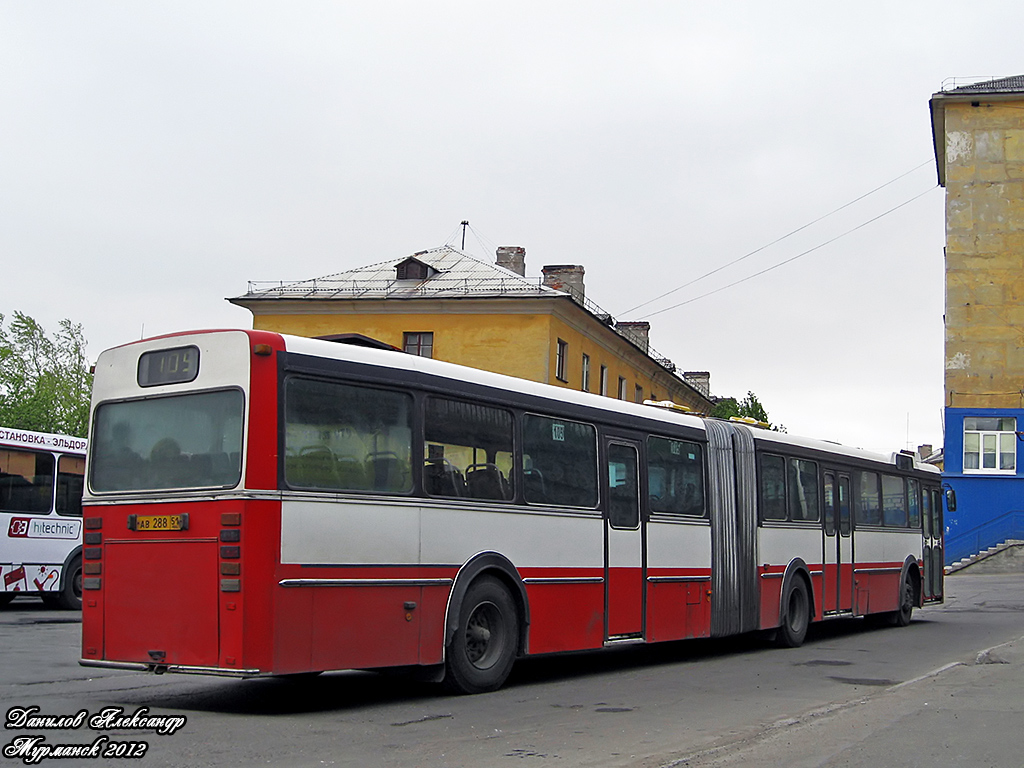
(178, 497)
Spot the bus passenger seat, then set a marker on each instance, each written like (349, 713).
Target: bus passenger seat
(485, 481)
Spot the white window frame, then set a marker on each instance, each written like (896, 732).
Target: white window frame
(981, 442)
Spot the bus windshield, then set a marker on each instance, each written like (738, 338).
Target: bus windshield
(167, 443)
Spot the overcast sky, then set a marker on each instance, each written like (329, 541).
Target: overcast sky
(156, 156)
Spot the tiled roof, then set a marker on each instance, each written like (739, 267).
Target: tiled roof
(1014, 84)
(458, 275)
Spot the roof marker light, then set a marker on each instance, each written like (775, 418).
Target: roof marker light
(750, 422)
(669, 406)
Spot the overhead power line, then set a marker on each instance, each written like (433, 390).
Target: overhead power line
(792, 258)
(774, 242)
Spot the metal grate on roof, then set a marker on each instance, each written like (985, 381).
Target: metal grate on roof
(458, 274)
(1014, 84)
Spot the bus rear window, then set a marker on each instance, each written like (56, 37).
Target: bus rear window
(168, 443)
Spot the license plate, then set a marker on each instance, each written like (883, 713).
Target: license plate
(158, 522)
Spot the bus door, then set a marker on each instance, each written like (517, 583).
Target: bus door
(624, 562)
(838, 561)
(931, 517)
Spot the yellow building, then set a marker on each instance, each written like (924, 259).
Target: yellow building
(450, 306)
(979, 152)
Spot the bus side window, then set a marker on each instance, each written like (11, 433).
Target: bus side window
(469, 450)
(70, 484)
(803, 490)
(560, 462)
(867, 507)
(675, 477)
(26, 481)
(773, 487)
(894, 502)
(344, 437)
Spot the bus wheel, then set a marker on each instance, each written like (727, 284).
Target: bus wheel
(901, 617)
(796, 616)
(483, 649)
(70, 596)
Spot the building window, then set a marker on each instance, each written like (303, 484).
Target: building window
(420, 344)
(990, 444)
(585, 383)
(604, 380)
(561, 353)
(622, 387)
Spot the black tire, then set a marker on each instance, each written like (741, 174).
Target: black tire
(485, 644)
(70, 596)
(901, 616)
(6, 598)
(796, 615)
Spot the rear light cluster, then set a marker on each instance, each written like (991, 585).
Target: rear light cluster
(230, 551)
(92, 554)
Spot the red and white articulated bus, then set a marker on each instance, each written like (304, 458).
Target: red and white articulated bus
(259, 504)
(41, 477)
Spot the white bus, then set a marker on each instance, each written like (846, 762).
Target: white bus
(41, 478)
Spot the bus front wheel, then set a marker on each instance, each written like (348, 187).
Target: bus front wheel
(481, 654)
(901, 616)
(796, 616)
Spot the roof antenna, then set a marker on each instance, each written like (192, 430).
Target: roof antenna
(464, 225)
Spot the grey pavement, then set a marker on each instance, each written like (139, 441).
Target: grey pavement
(968, 713)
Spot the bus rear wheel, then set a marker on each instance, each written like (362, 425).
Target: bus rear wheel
(70, 596)
(796, 616)
(481, 654)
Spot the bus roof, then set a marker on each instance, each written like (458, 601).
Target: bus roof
(403, 361)
(399, 360)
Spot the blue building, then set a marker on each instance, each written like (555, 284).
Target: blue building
(978, 132)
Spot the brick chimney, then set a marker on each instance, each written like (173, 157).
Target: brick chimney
(512, 258)
(699, 380)
(637, 332)
(567, 278)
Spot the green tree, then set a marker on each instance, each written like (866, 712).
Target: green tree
(749, 407)
(45, 381)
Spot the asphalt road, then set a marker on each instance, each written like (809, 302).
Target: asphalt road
(666, 705)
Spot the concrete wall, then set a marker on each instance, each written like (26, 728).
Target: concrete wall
(984, 254)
